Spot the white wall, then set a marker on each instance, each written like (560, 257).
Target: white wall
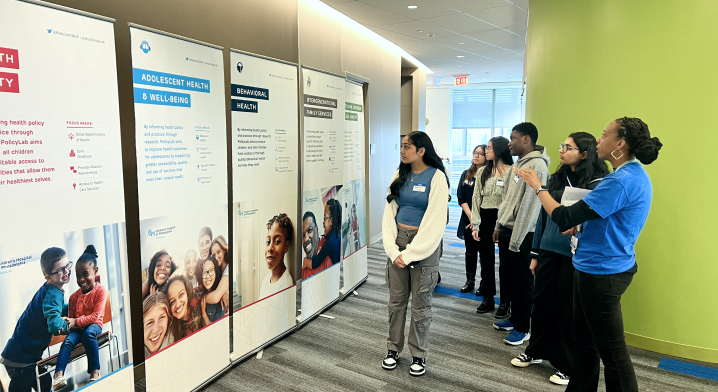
(438, 112)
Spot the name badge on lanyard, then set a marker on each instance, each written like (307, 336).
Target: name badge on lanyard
(516, 179)
(419, 187)
(500, 183)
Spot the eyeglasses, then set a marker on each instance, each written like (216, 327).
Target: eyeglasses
(207, 274)
(488, 148)
(478, 154)
(326, 218)
(63, 270)
(567, 148)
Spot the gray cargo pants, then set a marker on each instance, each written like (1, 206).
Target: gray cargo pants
(420, 283)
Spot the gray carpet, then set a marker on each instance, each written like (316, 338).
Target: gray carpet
(466, 354)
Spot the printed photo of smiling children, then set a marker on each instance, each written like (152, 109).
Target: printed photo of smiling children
(321, 230)
(185, 275)
(265, 247)
(64, 315)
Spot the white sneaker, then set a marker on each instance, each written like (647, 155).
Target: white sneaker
(559, 379)
(59, 383)
(524, 360)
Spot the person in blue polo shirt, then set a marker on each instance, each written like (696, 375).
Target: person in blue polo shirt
(611, 217)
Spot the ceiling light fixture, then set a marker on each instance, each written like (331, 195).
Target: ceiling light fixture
(421, 31)
(411, 7)
(459, 56)
(461, 43)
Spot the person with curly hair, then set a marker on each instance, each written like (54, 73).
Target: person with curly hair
(279, 238)
(605, 226)
(161, 268)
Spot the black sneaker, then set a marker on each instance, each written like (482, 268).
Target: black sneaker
(487, 305)
(390, 361)
(480, 290)
(524, 360)
(418, 367)
(503, 311)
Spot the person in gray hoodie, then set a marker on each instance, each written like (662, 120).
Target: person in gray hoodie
(514, 230)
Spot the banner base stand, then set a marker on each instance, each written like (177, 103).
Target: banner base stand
(234, 362)
(302, 321)
(353, 289)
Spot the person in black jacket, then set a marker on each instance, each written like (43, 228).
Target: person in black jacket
(464, 192)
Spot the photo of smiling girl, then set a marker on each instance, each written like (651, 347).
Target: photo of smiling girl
(220, 251)
(211, 273)
(185, 307)
(160, 269)
(279, 236)
(157, 318)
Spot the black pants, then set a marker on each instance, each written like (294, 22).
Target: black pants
(487, 250)
(598, 330)
(517, 280)
(472, 246)
(23, 379)
(552, 315)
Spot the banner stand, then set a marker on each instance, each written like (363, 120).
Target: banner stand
(301, 322)
(348, 293)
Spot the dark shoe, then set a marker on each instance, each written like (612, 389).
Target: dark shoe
(468, 286)
(487, 305)
(418, 367)
(480, 291)
(503, 311)
(390, 361)
(439, 279)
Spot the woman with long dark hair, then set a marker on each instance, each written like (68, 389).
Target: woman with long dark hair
(551, 264)
(464, 193)
(490, 189)
(158, 273)
(612, 217)
(412, 229)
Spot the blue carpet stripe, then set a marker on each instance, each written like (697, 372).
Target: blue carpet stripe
(688, 368)
(457, 293)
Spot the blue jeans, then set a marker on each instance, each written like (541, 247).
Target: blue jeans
(23, 379)
(88, 337)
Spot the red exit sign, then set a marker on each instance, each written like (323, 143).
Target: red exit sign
(461, 81)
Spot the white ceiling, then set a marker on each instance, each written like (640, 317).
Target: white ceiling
(490, 34)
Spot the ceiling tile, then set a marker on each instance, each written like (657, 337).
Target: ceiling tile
(510, 17)
(425, 9)
(459, 23)
(368, 15)
(473, 46)
(392, 36)
(502, 38)
(412, 29)
(335, 2)
(471, 5)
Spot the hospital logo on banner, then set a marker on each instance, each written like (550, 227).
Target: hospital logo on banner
(9, 58)
(145, 46)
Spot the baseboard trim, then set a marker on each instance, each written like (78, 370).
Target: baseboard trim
(675, 349)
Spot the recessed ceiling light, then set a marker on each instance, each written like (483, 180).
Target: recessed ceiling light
(459, 56)
(461, 43)
(483, 79)
(411, 7)
(459, 66)
(421, 31)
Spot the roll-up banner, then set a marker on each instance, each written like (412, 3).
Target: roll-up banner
(322, 179)
(180, 129)
(63, 264)
(265, 137)
(354, 225)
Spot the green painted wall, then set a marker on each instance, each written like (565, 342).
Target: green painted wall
(591, 61)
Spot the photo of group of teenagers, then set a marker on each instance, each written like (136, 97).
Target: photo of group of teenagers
(182, 294)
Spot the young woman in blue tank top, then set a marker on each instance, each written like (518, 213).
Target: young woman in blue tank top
(612, 217)
(412, 229)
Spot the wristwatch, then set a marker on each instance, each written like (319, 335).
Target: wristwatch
(541, 188)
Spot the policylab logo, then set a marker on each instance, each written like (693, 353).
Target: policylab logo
(9, 58)
(151, 233)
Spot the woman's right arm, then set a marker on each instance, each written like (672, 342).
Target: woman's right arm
(476, 201)
(461, 195)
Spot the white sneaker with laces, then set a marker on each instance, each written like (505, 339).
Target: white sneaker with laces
(524, 360)
(559, 379)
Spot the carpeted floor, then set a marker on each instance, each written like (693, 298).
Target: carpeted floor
(466, 354)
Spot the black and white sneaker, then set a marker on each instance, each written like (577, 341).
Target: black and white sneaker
(418, 367)
(390, 361)
(524, 360)
(559, 379)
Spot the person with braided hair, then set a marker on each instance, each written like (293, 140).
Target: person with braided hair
(611, 217)
(279, 237)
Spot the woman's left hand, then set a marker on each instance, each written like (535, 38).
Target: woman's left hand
(529, 176)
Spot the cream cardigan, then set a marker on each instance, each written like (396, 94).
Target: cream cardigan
(431, 228)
